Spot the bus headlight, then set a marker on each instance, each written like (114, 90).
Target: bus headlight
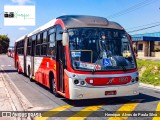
(133, 80)
(76, 82)
(82, 82)
(137, 79)
(79, 82)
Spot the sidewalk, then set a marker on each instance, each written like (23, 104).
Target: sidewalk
(11, 100)
(6, 103)
(148, 58)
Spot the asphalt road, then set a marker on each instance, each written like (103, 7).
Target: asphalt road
(42, 100)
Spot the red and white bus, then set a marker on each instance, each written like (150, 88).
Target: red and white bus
(79, 57)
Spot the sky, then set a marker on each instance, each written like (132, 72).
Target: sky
(131, 14)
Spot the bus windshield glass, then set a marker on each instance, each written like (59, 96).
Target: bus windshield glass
(100, 49)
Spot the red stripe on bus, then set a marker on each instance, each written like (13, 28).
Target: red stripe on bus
(108, 81)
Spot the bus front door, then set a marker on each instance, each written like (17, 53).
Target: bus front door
(60, 55)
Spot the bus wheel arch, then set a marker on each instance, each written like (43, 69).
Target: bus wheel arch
(52, 83)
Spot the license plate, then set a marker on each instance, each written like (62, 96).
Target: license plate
(110, 92)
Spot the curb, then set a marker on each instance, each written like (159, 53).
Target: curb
(149, 86)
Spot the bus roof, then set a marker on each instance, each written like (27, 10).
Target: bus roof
(43, 27)
(21, 38)
(73, 21)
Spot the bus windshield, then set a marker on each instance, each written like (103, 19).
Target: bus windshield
(100, 49)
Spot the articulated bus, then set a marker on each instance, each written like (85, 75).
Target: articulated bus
(79, 57)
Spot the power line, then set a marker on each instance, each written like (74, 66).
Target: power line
(132, 8)
(144, 28)
(142, 25)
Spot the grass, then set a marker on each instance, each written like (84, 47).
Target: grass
(149, 72)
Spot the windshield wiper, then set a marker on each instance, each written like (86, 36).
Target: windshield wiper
(108, 55)
(121, 62)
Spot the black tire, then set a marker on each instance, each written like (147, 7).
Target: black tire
(28, 71)
(29, 75)
(18, 69)
(31, 79)
(53, 86)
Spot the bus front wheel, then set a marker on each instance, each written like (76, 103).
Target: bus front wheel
(53, 86)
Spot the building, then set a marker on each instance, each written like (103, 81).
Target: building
(147, 44)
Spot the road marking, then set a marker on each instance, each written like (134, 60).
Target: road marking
(157, 110)
(128, 107)
(52, 112)
(89, 110)
(6, 65)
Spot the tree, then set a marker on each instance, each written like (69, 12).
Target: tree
(4, 43)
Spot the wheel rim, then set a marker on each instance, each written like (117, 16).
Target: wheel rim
(54, 86)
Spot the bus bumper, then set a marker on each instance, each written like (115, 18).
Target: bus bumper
(79, 92)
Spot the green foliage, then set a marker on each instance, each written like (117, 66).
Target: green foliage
(157, 50)
(151, 74)
(4, 43)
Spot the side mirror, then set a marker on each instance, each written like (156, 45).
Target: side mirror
(65, 38)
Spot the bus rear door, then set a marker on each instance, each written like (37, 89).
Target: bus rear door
(32, 55)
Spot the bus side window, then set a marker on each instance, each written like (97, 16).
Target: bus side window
(38, 45)
(29, 46)
(38, 48)
(51, 43)
(44, 36)
(44, 49)
(33, 43)
(58, 33)
(44, 44)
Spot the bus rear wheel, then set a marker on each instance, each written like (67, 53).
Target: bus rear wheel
(18, 69)
(53, 86)
(29, 74)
